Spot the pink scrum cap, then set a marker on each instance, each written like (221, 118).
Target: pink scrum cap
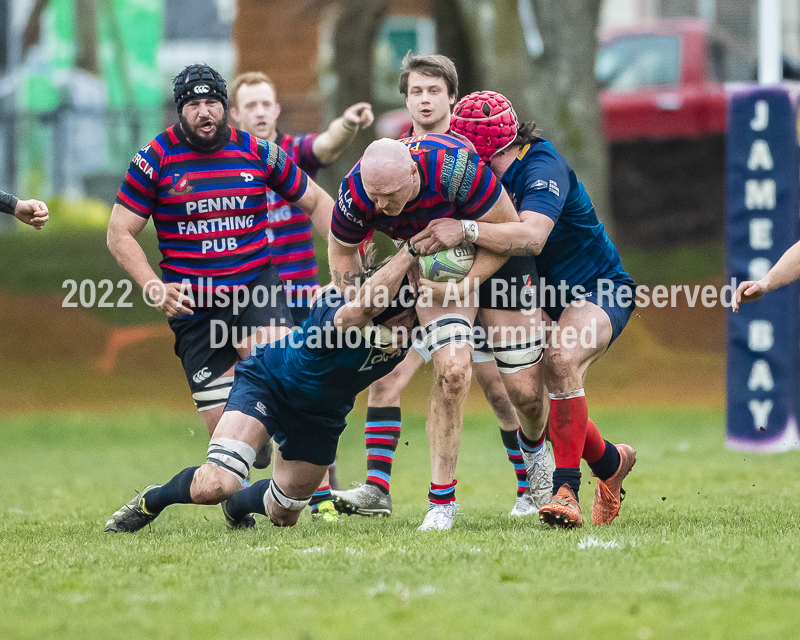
(486, 119)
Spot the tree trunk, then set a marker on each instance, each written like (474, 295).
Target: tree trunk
(353, 41)
(557, 90)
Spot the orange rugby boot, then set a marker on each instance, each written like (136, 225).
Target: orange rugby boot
(563, 511)
(608, 494)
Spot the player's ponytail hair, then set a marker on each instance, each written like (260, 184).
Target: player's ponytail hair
(526, 134)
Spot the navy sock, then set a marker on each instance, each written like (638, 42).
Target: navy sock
(176, 491)
(568, 476)
(608, 463)
(248, 500)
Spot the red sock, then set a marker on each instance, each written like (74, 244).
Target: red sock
(595, 446)
(569, 419)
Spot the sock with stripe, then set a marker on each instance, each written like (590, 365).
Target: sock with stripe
(382, 433)
(176, 491)
(511, 444)
(569, 421)
(320, 495)
(526, 444)
(248, 500)
(442, 493)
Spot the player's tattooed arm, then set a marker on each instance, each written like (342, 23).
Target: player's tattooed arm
(345, 265)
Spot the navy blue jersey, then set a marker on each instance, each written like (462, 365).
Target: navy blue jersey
(578, 251)
(312, 374)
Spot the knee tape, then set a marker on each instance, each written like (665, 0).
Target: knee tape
(516, 355)
(282, 499)
(451, 327)
(234, 456)
(214, 394)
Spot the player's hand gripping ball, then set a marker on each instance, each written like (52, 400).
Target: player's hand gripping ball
(449, 265)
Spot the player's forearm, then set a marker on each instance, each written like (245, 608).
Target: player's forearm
(785, 270)
(130, 256)
(377, 293)
(8, 203)
(510, 238)
(329, 144)
(344, 262)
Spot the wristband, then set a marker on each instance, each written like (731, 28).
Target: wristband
(470, 228)
(411, 250)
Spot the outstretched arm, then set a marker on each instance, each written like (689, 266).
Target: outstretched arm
(786, 270)
(377, 293)
(498, 231)
(342, 131)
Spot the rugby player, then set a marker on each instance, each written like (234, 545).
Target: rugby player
(429, 84)
(32, 212)
(557, 224)
(398, 188)
(299, 390)
(205, 185)
(255, 109)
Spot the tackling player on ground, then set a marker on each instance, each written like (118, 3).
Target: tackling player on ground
(298, 390)
(255, 108)
(558, 225)
(430, 87)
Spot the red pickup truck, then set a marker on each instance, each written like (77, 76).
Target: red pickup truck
(663, 104)
(664, 80)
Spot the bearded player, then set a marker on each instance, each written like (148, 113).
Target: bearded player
(205, 185)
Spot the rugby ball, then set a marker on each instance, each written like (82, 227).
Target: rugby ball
(450, 265)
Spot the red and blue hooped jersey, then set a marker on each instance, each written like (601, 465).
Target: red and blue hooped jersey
(210, 210)
(290, 228)
(454, 183)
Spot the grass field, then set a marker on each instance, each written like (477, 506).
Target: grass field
(707, 545)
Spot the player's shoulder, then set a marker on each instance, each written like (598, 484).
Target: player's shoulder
(437, 142)
(328, 301)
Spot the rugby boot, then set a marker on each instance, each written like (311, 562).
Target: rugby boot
(364, 500)
(524, 506)
(539, 467)
(247, 521)
(132, 516)
(564, 510)
(609, 494)
(439, 517)
(325, 512)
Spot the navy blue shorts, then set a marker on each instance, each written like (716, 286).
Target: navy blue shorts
(615, 296)
(300, 434)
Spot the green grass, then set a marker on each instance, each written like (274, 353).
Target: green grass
(675, 266)
(707, 545)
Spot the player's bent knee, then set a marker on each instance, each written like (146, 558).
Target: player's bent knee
(214, 394)
(518, 354)
(232, 457)
(452, 376)
(211, 485)
(281, 509)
